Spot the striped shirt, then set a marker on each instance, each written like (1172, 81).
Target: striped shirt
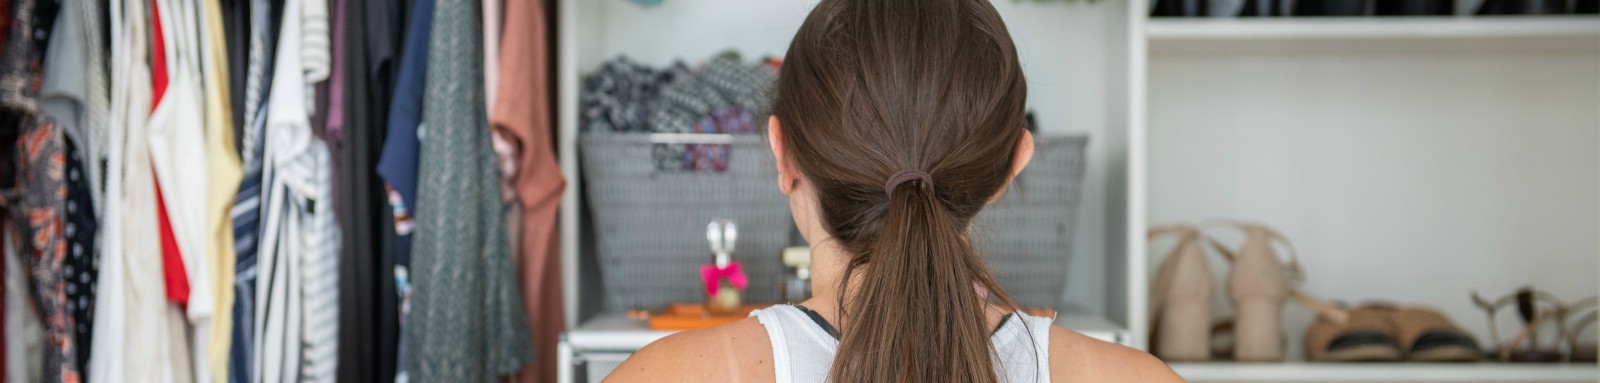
(246, 212)
(297, 314)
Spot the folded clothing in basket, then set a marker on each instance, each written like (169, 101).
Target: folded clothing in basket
(724, 96)
(625, 96)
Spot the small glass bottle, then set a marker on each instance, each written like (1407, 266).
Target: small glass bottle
(797, 286)
(728, 276)
(727, 298)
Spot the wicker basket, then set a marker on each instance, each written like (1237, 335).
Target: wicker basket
(1026, 236)
(650, 225)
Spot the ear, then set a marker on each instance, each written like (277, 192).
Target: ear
(1019, 160)
(788, 178)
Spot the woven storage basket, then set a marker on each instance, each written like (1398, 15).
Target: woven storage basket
(1026, 236)
(650, 225)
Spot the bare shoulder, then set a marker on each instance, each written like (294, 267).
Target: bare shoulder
(1078, 358)
(737, 351)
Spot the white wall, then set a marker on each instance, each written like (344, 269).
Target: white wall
(1412, 176)
(1065, 47)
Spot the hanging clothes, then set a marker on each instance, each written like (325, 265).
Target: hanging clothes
(224, 173)
(373, 39)
(366, 46)
(320, 259)
(177, 148)
(26, 40)
(333, 123)
(236, 31)
(41, 165)
(247, 218)
(522, 114)
(118, 297)
(277, 328)
(299, 242)
(398, 164)
(222, 143)
(165, 67)
(81, 268)
(74, 94)
(24, 333)
(402, 147)
(42, 159)
(467, 323)
(315, 55)
(170, 107)
(75, 88)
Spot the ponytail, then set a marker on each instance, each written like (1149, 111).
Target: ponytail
(868, 89)
(919, 316)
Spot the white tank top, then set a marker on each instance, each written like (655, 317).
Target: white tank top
(802, 351)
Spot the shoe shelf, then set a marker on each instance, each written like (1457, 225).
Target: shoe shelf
(1456, 36)
(1411, 160)
(1304, 28)
(1386, 372)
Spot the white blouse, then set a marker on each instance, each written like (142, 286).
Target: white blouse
(177, 148)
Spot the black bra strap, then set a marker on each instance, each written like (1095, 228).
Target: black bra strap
(815, 317)
(1002, 324)
(828, 328)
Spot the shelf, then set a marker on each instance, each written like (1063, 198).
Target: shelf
(1385, 372)
(1303, 28)
(1342, 37)
(616, 332)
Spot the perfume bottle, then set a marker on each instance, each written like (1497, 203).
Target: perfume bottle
(724, 278)
(796, 286)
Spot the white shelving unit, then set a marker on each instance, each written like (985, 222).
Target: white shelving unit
(1410, 159)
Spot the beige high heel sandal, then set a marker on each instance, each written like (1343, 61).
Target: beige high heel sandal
(1181, 299)
(1259, 285)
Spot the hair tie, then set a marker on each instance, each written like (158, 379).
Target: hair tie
(906, 175)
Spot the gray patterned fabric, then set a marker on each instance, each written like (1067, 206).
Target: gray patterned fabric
(467, 322)
(41, 161)
(623, 96)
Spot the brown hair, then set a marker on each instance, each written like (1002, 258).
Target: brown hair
(871, 88)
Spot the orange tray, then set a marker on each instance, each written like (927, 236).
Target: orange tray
(694, 316)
